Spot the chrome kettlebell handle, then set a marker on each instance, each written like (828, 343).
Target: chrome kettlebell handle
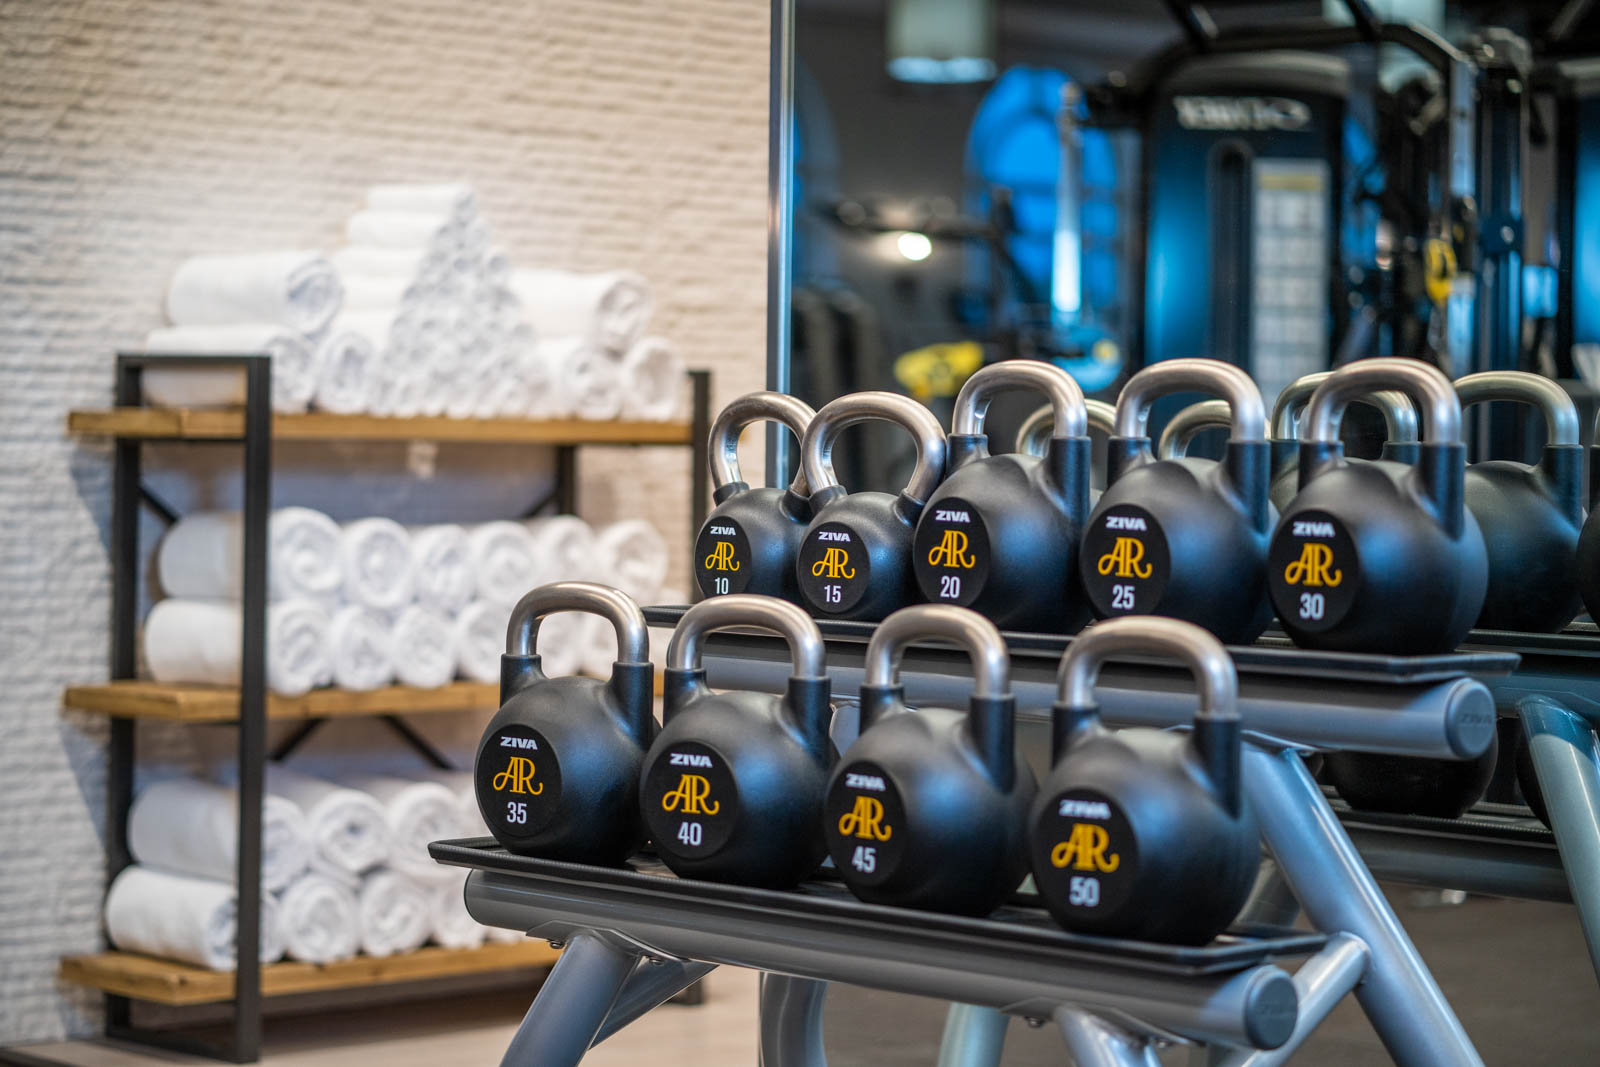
(816, 446)
(1232, 384)
(613, 605)
(1190, 423)
(1204, 656)
(976, 636)
(1559, 412)
(1035, 430)
(730, 422)
(746, 609)
(1399, 416)
(1425, 385)
(1068, 415)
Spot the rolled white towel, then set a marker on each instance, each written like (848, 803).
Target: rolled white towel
(186, 826)
(534, 390)
(452, 926)
(350, 362)
(567, 548)
(202, 556)
(320, 920)
(419, 812)
(588, 379)
(444, 198)
(633, 557)
(375, 555)
(441, 560)
(192, 920)
(349, 829)
(361, 646)
(611, 308)
(375, 292)
(197, 642)
(479, 634)
(424, 648)
(505, 561)
(295, 367)
(652, 381)
(382, 262)
(402, 229)
(396, 913)
(297, 289)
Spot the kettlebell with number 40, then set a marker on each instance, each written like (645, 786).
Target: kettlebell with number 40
(557, 771)
(732, 788)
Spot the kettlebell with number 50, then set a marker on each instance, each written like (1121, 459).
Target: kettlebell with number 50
(557, 771)
(927, 808)
(733, 786)
(855, 559)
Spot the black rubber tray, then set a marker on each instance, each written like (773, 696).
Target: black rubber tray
(1579, 639)
(1273, 655)
(1017, 927)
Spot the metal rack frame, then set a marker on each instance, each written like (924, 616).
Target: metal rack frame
(129, 494)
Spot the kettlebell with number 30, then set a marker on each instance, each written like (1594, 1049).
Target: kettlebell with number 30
(557, 771)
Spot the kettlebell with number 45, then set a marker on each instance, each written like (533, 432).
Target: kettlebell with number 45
(749, 541)
(1145, 833)
(855, 559)
(926, 809)
(732, 788)
(557, 771)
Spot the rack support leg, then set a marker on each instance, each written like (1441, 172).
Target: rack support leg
(791, 1021)
(1093, 1042)
(572, 1006)
(1563, 748)
(973, 1036)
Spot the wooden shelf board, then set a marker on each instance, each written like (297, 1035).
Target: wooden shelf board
(205, 703)
(161, 981)
(228, 424)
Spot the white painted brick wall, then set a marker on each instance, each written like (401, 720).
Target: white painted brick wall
(600, 133)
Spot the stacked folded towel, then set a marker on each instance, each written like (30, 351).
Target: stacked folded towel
(193, 920)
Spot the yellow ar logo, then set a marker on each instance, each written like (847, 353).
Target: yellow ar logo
(1314, 567)
(951, 551)
(518, 778)
(692, 795)
(835, 563)
(1125, 559)
(721, 558)
(865, 821)
(1085, 850)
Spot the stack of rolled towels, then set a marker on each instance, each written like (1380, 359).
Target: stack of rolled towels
(370, 603)
(418, 314)
(344, 869)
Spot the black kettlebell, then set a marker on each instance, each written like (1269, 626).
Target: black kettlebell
(927, 808)
(1000, 534)
(1185, 538)
(1189, 423)
(1530, 516)
(557, 771)
(1129, 823)
(748, 543)
(1399, 420)
(854, 561)
(1379, 557)
(732, 788)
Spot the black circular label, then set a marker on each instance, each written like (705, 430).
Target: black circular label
(951, 553)
(865, 823)
(1124, 562)
(690, 802)
(833, 568)
(1313, 571)
(722, 558)
(1085, 857)
(518, 781)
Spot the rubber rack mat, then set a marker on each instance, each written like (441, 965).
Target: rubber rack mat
(1273, 655)
(1016, 930)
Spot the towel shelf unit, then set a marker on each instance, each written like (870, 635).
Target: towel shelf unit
(125, 977)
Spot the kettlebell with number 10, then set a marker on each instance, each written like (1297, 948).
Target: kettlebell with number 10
(855, 559)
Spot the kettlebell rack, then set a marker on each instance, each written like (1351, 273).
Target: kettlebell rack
(125, 978)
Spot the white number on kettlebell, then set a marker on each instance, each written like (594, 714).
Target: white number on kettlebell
(1122, 597)
(950, 586)
(721, 584)
(833, 594)
(690, 833)
(865, 859)
(1083, 892)
(516, 812)
(1312, 605)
